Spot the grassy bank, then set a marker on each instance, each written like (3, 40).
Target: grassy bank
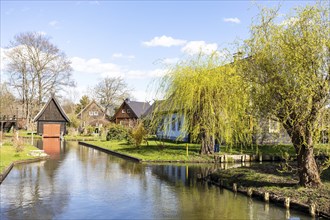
(9, 155)
(171, 151)
(278, 150)
(274, 179)
(154, 151)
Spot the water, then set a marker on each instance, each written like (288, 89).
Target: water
(83, 183)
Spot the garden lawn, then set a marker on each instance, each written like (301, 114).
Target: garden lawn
(273, 178)
(278, 150)
(155, 152)
(171, 151)
(9, 155)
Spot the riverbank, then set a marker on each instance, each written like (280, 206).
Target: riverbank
(279, 182)
(155, 152)
(9, 157)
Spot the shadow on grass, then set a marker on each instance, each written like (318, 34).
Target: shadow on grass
(248, 177)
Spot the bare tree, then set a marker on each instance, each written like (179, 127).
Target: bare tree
(110, 92)
(37, 68)
(7, 101)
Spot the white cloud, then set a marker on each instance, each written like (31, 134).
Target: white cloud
(120, 55)
(164, 41)
(196, 47)
(54, 23)
(232, 20)
(139, 74)
(95, 66)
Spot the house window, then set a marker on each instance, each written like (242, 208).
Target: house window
(173, 124)
(123, 111)
(93, 113)
(128, 111)
(274, 126)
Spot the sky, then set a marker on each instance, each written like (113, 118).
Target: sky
(135, 40)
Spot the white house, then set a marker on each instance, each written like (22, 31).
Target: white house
(170, 128)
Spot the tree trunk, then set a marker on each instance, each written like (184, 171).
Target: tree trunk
(207, 146)
(302, 139)
(309, 175)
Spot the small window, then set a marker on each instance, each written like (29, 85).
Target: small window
(96, 113)
(128, 111)
(123, 111)
(91, 113)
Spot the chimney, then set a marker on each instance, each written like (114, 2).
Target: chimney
(127, 100)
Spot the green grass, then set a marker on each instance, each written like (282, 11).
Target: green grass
(270, 177)
(22, 133)
(155, 152)
(171, 151)
(278, 150)
(9, 155)
(27, 134)
(82, 138)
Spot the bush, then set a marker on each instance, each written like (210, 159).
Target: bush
(18, 145)
(117, 132)
(139, 133)
(90, 130)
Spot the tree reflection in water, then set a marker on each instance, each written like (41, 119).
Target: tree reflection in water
(84, 183)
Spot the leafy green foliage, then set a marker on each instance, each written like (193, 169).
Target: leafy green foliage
(83, 102)
(211, 97)
(287, 67)
(139, 133)
(116, 132)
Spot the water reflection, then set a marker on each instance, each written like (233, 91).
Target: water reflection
(51, 146)
(84, 183)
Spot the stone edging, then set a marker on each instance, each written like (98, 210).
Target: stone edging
(268, 197)
(124, 156)
(4, 174)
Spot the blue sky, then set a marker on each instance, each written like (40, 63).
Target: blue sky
(131, 39)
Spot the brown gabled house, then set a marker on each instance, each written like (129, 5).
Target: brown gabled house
(51, 120)
(129, 112)
(93, 115)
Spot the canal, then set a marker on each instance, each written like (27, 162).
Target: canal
(82, 183)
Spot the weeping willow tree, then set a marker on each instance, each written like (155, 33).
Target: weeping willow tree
(211, 98)
(289, 72)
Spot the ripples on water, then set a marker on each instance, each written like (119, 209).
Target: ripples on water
(83, 183)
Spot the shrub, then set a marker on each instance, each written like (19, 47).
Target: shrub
(116, 132)
(18, 144)
(139, 133)
(90, 130)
